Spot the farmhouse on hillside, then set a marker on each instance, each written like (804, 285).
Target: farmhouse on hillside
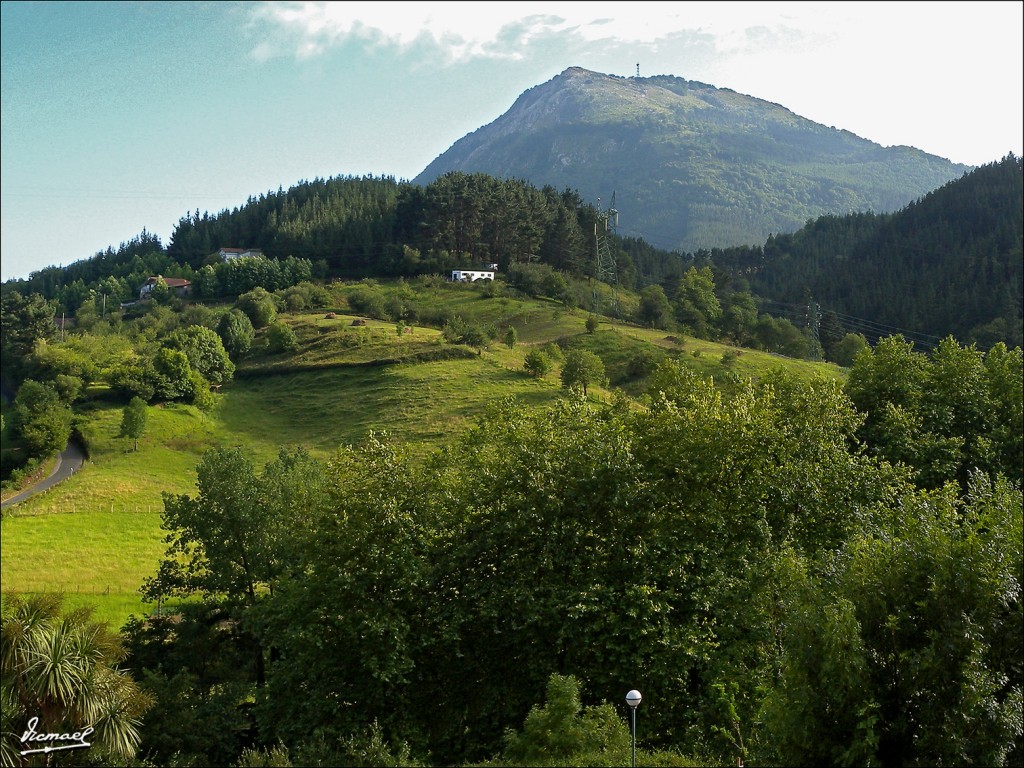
(479, 272)
(230, 254)
(177, 285)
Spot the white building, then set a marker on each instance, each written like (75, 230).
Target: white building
(480, 272)
(229, 254)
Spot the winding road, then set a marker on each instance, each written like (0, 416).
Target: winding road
(69, 461)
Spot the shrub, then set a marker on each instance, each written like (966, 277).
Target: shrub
(259, 306)
(281, 338)
(564, 732)
(236, 333)
(537, 364)
(368, 302)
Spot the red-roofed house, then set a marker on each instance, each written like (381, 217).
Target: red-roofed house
(178, 286)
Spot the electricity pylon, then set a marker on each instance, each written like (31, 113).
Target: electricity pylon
(605, 264)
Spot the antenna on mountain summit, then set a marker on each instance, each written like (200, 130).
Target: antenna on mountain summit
(638, 69)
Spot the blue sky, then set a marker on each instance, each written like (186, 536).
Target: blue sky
(120, 116)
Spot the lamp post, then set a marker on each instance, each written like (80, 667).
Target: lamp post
(633, 699)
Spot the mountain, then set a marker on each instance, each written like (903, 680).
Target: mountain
(690, 166)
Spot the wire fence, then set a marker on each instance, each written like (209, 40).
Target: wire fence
(23, 509)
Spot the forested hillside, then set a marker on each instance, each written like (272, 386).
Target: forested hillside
(346, 222)
(357, 227)
(951, 262)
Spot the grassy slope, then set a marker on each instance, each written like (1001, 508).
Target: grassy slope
(98, 535)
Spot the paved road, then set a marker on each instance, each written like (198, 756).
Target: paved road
(69, 462)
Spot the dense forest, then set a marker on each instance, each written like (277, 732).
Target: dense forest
(356, 227)
(952, 262)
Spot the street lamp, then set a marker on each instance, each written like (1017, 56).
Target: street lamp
(633, 699)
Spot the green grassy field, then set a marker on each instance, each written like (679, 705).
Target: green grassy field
(97, 536)
(93, 557)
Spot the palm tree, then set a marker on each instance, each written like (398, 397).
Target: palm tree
(61, 667)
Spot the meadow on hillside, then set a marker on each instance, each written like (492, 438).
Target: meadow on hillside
(96, 536)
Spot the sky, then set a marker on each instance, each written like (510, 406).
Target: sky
(119, 117)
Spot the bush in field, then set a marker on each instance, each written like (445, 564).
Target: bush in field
(281, 338)
(236, 333)
(259, 306)
(537, 364)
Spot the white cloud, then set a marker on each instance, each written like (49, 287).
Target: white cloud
(462, 30)
(481, 30)
(467, 30)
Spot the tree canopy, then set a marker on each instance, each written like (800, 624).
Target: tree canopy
(727, 535)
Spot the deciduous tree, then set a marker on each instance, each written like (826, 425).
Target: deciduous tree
(537, 364)
(845, 351)
(259, 306)
(581, 369)
(944, 414)
(897, 650)
(220, 541)
(172, 375)
(133, 420)
(352, 606)
(236, 332)
(697, 305)
(654, 309)
(205, 351)
(41, 419)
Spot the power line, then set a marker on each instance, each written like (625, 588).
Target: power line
(871, 328)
